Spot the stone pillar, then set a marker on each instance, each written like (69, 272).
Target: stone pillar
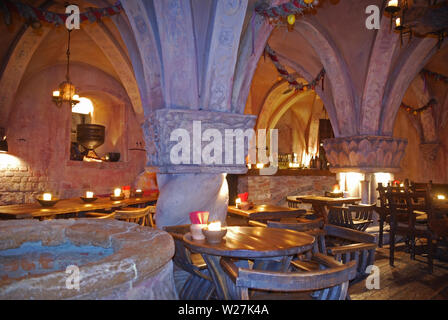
(192, 151)
(184, 193)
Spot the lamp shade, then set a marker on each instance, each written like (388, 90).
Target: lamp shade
(3, 146)
(3, 142)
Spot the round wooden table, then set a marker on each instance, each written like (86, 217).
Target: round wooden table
(250, 243)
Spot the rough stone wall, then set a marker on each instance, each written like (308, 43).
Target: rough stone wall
(274, 189)
(21, 184)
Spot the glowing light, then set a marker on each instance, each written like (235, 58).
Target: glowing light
(238, 201)
(9, 161)
(260, 165)
(85, 106)
(336, 188)
(138, 190)
(351, 182)
(441, 197)
(306, 158)
(383, 177)
(56, 93)
(294, 165)
(46, 196)
(89, 194)
(392, 3)
(214, 226)
(117, 192)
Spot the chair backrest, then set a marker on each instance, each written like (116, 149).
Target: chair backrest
(362, 211)
(338, 215)
(303, 225)
(404, 203)
(141, 216)
(182, 256)
(97, 215)
(332, 274)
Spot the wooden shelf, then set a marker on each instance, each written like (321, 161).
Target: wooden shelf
(294, 172)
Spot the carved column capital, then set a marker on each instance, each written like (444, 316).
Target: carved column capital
(430, 150)
(365, 153)
(160, 124)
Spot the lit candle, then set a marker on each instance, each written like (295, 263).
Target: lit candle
(260, 165)
(441, 197)
(398, 22)
(117, 192)
(47, 196)
(336, 188)
(89, 194)
(138, 190)
(237, 202)
(214, 226)
(75, 97)
(56, 93)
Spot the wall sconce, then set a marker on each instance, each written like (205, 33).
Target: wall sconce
(3, 142)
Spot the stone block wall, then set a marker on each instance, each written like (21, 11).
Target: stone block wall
(274, 189)
(20, 184)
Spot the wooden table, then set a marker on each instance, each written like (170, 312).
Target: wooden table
(254, 243)
(266, 212)
(320, 203)
(66, 206)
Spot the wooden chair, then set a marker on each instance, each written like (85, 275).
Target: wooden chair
(404, 221)
(141, 216)
(199, 285)
(331, 280)
(293, 204)
(99, 215)
(384, 210)
(357, 217)
(343, 244)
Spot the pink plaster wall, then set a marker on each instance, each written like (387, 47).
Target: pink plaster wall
(39, 138)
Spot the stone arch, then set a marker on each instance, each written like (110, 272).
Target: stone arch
(409, 64)
(14, 68)
(145, 34)
(336, 72)
(380, 63)
(104, 39)
(250, 50)
(324, 95)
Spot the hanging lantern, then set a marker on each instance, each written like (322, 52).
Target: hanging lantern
(66, 90)
(392, 6)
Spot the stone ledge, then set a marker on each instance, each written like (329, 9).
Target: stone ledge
(139, 254)
(97, 165)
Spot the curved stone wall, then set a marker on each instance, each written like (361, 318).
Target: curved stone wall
(138, 265)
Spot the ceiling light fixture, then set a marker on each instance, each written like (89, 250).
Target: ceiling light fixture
(66, 90)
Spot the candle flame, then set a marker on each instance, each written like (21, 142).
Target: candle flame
(214, 226)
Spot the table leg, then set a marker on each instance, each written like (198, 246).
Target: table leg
(218, 276)
(321, 211)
